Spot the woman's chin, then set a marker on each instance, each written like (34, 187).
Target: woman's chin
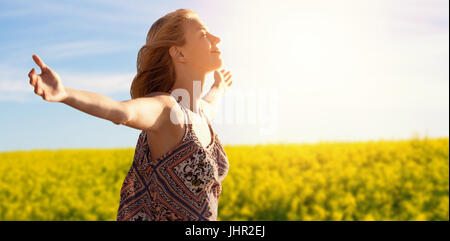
(215, 65)
(218, 64)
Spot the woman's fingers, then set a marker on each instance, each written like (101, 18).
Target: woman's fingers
(38, 90)
(225, 76)
(37, 85)
(39, 61)
(30, 76)
(33, 77)
(228, 80)
(224, 71)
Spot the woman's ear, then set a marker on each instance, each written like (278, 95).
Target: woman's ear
(176, 54)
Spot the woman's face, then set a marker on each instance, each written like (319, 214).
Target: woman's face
(200, 50)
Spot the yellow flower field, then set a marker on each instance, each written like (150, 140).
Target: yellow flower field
(373, 180)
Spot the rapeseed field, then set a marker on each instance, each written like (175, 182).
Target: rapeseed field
(371, 180)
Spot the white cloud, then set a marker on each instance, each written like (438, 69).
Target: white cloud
(15, 86)
(82, 48)
(109, 12)
(20, 56)
(100, 82)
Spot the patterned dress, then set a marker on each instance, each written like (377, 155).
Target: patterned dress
(182, 185)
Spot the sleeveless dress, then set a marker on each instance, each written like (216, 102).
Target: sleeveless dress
(184, 184)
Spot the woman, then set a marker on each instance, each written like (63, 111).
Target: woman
(179, 162)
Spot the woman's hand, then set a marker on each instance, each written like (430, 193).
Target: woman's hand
(48, 84)
(222, 79)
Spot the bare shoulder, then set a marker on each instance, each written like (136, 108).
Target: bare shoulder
(208, 110)
(163, 97)
(173, 115)
(158, 93)
(152, 111)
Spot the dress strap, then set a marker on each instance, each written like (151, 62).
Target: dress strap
(207, 119)
(187, 119)
(203, 113)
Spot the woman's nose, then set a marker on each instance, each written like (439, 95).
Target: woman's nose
(216, 39)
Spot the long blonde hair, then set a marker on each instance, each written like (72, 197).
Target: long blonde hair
(155, 69)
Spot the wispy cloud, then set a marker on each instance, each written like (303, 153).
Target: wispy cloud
(21, 55)
(48, 20)
(14, 84)
(83, 48)
(106, 11)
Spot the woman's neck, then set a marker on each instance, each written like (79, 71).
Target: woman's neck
(189, 86)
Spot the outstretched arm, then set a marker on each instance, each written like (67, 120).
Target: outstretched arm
(97, 105)
(212, 98)
(145, 113)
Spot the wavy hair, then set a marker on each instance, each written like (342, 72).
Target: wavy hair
(155, 69)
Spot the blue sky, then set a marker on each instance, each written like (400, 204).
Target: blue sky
(331, 71)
